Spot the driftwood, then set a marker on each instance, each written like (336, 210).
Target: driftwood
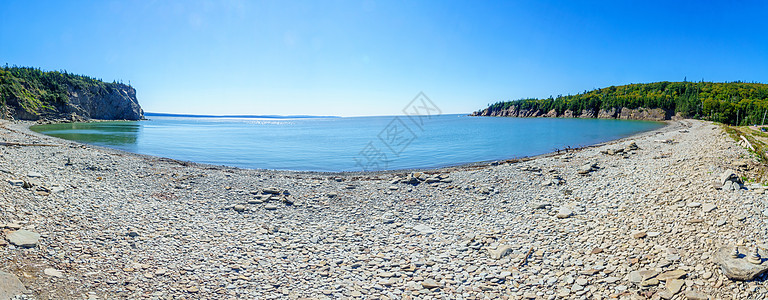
(525, 258)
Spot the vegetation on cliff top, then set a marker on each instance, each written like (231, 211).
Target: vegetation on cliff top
(34, 90)
(737, 103)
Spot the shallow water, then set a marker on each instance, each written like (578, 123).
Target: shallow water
(346, 144)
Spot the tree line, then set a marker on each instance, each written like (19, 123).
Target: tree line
(33, 89)
(735, 103)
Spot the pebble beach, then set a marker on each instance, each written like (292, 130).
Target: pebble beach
(639, 218)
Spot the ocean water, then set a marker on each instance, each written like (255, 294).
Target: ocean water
(346, 144)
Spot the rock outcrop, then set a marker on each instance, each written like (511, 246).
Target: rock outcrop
(640, 113)
(115, 102)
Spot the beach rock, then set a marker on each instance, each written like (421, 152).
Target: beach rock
(729, 176)
(739, 268)
(674, 285)
(669, 275)
(587, 168)
(642, 275)
(731, 186)
(270, 207)
(708, 207)
(639, 234)
(239, 208)
(53, 272)
(10, 286)
(500, 252)
(649, 282)
(423, 229)
(564, 212)
(271, 190)
(695, 295)
(24, 238)
(429, 283)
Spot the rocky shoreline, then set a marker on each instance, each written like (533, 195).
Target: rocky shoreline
(622, 113)
(628, 219)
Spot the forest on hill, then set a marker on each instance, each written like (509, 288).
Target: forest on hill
(34, 89)
(735, 103)
(31, 93)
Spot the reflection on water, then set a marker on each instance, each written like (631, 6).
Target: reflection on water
(121, 135)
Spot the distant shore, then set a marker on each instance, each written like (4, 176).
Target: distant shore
(119, 225)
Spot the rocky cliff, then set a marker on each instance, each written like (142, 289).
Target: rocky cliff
(31, 94)
(656, 114)
(117, 102)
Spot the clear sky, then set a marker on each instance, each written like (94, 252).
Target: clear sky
(372, 57)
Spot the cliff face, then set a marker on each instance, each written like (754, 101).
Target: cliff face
(656, 114)
(32, 94)
(116, 102)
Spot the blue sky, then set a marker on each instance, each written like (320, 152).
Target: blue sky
(372, 57)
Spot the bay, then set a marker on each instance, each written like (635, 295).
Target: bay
(335, 144)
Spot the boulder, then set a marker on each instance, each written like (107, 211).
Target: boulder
(739, 268)
(729, 176)
(10, 285)
(24, 238)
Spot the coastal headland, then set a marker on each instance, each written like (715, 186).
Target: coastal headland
(640, 217)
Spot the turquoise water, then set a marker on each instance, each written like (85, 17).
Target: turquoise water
(346, 144)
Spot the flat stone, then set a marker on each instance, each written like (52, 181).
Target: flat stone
(423, 229)
(564, 212)
(666, 295)
(693, 204)
(708, 207)
(674, 274)
(429, 283)
(649, 282)
(34, 175)
(271, 190)
(500, 252)
(639, 234)
(739, 268)
(654, 233)
(694, 295)
(53, 272)
(10, 286)
(642, 275)
(239, 208)
(23, 238)
(270, 207)
(674, 285)
(611, 279)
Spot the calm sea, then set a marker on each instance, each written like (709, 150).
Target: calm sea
(346, 144)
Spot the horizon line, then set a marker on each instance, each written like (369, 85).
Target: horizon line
(274, 116)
